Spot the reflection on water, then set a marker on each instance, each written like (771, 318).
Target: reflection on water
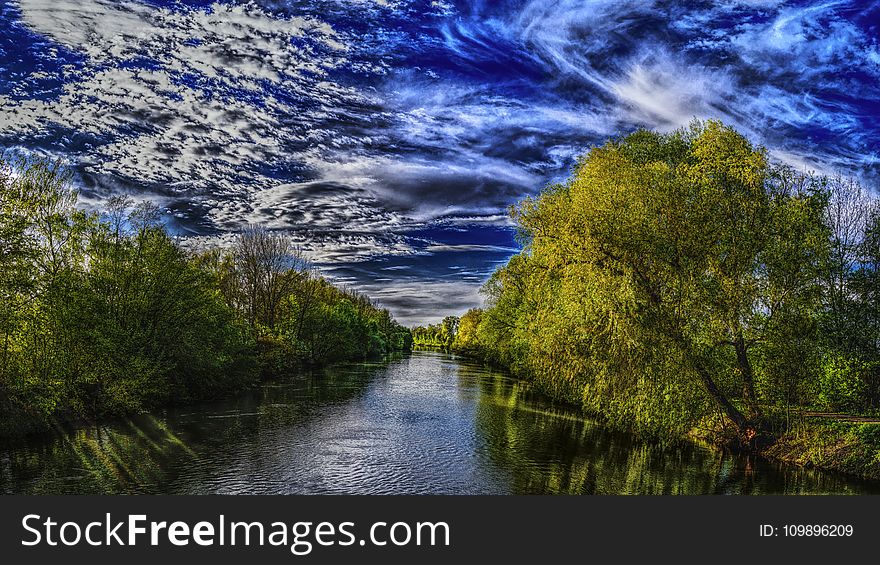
(426, 423)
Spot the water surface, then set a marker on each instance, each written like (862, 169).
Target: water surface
(428, 423)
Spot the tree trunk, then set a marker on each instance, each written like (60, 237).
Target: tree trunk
(745, 427)
(748, 378)
(5, 353)
(731, 411)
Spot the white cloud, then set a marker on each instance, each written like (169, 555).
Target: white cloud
(667, 94)
(421, 301)
(235, 115)
(198, 117)
(469, 248)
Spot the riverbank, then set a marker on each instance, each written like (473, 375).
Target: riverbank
(845, 444)
(268, 362)
(836, 442)
(843, 447)
(425, 423)
(108, 315)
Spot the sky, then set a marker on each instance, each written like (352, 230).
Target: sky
(389, 137)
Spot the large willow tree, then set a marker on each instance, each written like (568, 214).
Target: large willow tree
(655, 280)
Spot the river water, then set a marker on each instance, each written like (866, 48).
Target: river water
(426, 423)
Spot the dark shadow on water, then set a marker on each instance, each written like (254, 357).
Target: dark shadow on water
(548, 449)
(145, 453)
(425, 423)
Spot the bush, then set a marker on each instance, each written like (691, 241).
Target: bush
(841, 383)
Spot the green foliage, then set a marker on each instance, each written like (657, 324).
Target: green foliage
(851, 321)
(467, 338)
(437, 335)
(323, 323)
(673, 277)
(298, 316)
(841, 383)
(110, 315)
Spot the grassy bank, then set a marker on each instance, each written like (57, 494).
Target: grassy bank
(845, 447)
(841, 443)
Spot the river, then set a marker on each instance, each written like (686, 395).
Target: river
(426, 423)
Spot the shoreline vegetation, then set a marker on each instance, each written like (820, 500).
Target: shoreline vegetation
(825, 441)
(685, 286)
(678, 286)
(108, 315)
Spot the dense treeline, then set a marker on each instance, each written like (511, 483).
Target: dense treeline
(679, 279)
(437, 335)
(108, 314)
(294, 312)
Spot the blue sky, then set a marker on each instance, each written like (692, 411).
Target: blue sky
(389, 137)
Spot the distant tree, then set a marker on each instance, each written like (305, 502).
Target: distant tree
(853, 326)
(467, 337)
(448, 330)
(266, 268)
(437, 335)
(849, 213)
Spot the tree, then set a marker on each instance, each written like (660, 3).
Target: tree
(112, 315)
(661, 265)
(467, 338)
(849, 216)
(853, 325)
(17, 255)
(448, 330)
(267, 268)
